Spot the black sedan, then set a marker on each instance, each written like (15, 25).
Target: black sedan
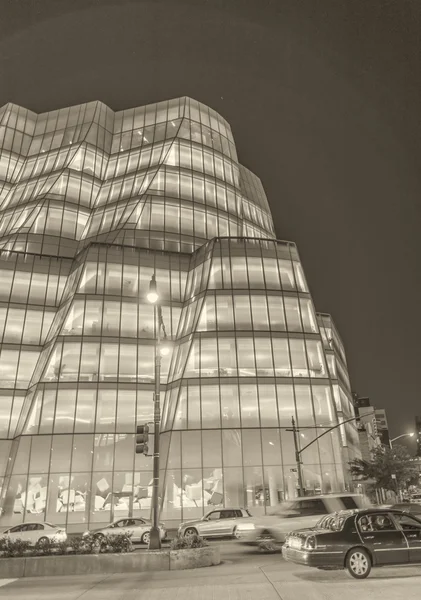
(357, 541)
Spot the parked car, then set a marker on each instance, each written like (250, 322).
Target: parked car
(35, 533)
(299, 513)
(216, 523)
(138, 529)
(357, 541)
(411, 507)
(416, 498)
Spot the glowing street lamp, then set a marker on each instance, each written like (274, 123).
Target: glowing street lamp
(152, 295)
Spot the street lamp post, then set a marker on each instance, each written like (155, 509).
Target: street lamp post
(401, 436)
(153, 297)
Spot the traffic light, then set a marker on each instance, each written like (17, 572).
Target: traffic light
(142, 436)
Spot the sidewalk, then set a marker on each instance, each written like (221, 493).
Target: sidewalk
(269, 578)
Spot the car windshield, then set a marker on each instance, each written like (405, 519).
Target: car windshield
(333, 522)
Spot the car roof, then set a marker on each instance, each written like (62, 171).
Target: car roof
(226, 508)
(322, 496)
(374, 510)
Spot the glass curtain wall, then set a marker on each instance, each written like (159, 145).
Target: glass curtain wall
(92, 204)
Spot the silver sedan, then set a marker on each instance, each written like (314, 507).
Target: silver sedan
(138, 529)
(217, 523)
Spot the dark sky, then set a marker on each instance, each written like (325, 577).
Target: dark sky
(324, 99)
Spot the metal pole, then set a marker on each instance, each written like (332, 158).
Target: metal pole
(155, 537)
(297, 458)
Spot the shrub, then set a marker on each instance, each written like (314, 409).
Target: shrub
(187, 543)
(88, 544)
(62, 547)
(119, 543)
(14, 548)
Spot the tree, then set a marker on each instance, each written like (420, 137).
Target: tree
(384, 463)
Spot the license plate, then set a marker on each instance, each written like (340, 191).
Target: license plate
(295, 543)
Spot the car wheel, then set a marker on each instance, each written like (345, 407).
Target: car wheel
(43, 541)
(145, 539)
(358, 563)
(190, 531)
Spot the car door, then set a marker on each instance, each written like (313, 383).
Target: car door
(228, 521)
(137, 528)
(17, 533)
(118, 527)
(211, 525)
(411, 528)
(385, 541)
(29, 532)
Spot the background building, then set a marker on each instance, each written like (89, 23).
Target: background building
(382, 426)
(338, 373)
(368, 435)
(418, 434)
(92, 203)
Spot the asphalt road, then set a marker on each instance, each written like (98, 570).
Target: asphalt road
(245, 574)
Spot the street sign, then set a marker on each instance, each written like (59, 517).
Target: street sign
(393, 476)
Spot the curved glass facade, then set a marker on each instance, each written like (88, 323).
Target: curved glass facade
(92, 204)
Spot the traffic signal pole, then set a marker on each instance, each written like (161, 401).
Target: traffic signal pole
(297, 458)
(298, 452)
(155, 536)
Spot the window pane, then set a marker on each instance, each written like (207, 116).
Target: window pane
(249, 406)
(298, 358)
(227, 357)
(242, 312)
(246, 357)
(268, 406)
(292, 312)
(211, 416)
(264, 362)
(281, 357)
(286, 405)
(225, 312)
(276, 313)
(260, 312)
(231, 445)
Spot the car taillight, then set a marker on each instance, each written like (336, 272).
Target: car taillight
(310, 543)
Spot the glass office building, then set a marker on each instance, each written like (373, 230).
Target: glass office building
(92, 204)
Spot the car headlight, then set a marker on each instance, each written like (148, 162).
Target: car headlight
(310, 543)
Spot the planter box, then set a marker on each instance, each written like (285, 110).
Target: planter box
(102, 564)
(192, 559)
